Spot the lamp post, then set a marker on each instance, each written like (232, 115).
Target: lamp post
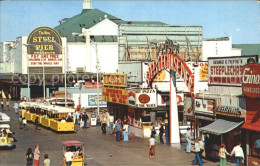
(43, 72)
(74, 34)
(64, 63)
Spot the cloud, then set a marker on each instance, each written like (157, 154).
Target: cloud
(237, 29)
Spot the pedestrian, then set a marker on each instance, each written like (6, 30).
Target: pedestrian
(46, 161)
(197, 153)
(77, 117)
(85, 120)
(201, 147)
(16, 106)
(239, 154)
(36, 123)
(152, 146)
(104, 124)
(36, 155)
(25, 124)
(222, 155)
(68, 157)
(111, 123)
(161, 134)
(153, 131)
(20, 121)
(29, 157)
(2, 105)
(188, 138)
(125, 132)
(7, 105)
(118, 127)
(207, 146)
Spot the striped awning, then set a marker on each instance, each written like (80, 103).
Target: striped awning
(220, 126)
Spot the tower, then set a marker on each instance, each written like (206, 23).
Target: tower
(87, 4)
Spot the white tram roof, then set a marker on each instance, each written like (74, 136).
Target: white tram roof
(55, 108)
(4, 117)
(4, 126)
(25, 104)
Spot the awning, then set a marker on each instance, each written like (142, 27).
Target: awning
(220, 126)
(252, 121)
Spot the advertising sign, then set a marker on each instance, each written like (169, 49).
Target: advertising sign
(188, 106)
(92, 101)
(227, 71)
(204, 106)
(203, 69)
(115, 95)
(131, 97)
(44, 47)
(145, 98)
(115, 79)
(251, 80)
(230, 111)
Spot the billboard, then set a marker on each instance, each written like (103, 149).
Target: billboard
(227, 70)
(44, 48)
(115, 95)
(114, 79)
(92, 101)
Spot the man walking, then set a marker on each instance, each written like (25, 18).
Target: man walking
(239, 154)
(2, 105)
(111, 123)
(85, 119)
(118, 131)
(7, 105)
(188, 138)
(16, 106)
(104, 124)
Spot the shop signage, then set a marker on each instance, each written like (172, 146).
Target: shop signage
(204, 106)
(230, 111)
(92, 101)
(131, 97)
(115, 95)
(145, 98)
(44, 47)
(188, 109)
(227, 71)
(115, 79)
(251, 80)
(203, 69)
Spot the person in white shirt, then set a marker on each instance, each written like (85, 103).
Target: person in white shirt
(2, 105)
(7, 105)
(125, 132)
(152, 146)
(239, 154)
(68, 157)
(188, 138)
(111, 124)
(16, 106)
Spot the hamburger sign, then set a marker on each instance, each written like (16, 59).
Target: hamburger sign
(251, 80)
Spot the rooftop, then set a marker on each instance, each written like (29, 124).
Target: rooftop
(87, 19)
(248, 49)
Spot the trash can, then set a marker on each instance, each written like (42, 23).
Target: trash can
(93, 120)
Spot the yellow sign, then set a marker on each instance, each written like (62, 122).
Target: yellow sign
(160, 77)
(115, 95)
(204, 73)
(44, 40)
(115, 79)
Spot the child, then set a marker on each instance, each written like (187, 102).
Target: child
(46, 160)
(25, 124)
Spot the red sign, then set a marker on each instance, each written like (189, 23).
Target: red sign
(251, 80)
(144, 98)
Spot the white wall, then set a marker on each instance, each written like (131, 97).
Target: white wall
(107, 56)
(219, 48)
(105, 27)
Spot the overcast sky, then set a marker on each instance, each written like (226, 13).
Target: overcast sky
(239, 19)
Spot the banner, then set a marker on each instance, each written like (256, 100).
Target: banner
(115, 95)
(115, 79)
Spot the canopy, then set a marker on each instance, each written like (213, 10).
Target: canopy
(70, 143)
(220, 126)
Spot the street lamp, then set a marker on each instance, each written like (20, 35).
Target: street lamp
(64, 63)
(74, 34)
(43, 72)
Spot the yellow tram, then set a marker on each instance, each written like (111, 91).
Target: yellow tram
(50, 116)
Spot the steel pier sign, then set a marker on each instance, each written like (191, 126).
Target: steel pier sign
(251, 80)
(44, 47)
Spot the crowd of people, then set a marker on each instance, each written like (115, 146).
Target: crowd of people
(34, 157)
(201, 149)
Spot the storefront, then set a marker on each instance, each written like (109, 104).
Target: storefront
(251, 90)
